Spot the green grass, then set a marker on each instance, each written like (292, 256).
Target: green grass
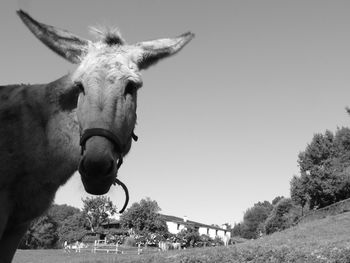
(325, 240)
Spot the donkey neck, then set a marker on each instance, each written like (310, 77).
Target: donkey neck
(39, 145)
(62, 127)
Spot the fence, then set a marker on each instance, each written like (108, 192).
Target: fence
(103, 246)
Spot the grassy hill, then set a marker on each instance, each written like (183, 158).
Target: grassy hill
(323, 240)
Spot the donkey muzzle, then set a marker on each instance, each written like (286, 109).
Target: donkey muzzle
(97, 166)
(89, 167)
(97, 174)
(97, 186)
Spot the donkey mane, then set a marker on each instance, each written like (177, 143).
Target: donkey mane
(108, 35)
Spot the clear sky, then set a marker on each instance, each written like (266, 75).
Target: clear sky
(221, 124)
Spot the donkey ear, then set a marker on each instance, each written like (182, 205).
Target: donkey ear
(152, 51)
(60, 41)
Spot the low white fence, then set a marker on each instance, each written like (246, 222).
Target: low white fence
(102, 246)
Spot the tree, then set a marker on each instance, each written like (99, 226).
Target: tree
(253, 218)
(323, 165)
(276, 200)
(318, 152)
(41, 234)
(144, 218)
(71, 224)
(59, 213)
(283, 215)
(72, 228)
(237, 229)
(58, 224)
(298, 192)
(97, 210)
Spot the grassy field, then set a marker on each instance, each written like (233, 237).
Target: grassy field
(325, 240)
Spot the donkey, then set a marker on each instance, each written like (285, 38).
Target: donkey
(82, 121)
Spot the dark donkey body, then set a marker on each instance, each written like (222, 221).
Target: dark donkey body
(39, 152)
(40, 125)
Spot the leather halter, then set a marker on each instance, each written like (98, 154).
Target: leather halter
(120, 148)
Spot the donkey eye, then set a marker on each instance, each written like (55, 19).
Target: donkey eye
(130, 88)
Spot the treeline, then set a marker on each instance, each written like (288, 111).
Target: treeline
(66, 223)
(266, 218)
(141, 223)
(324, 179)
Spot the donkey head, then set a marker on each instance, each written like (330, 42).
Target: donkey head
(104, 90)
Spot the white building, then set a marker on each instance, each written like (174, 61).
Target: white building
(176, 224)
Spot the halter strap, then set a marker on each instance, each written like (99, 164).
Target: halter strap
(88, 133)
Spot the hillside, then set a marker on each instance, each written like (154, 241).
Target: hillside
(323, 240)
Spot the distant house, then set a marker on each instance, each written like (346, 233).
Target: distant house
(176, 224)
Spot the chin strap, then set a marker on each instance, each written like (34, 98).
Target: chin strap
(118, 182)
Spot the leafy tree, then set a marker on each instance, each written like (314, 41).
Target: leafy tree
(283, 216)
(343, 191)
(72, 228)
(323, 165)
(253, 218)
(71, 224)
(52, 227)
(59, 213)
(342, 164)
(41, 234)
(298, 192)
(97, 210)
(144, 218)
(277, 199)
(237, 229)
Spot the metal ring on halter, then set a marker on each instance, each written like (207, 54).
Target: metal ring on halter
(117, 181)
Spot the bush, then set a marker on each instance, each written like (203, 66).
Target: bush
(189, 236)
(205, 241)
(89, 238)
(130, 242)
(218, 241)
